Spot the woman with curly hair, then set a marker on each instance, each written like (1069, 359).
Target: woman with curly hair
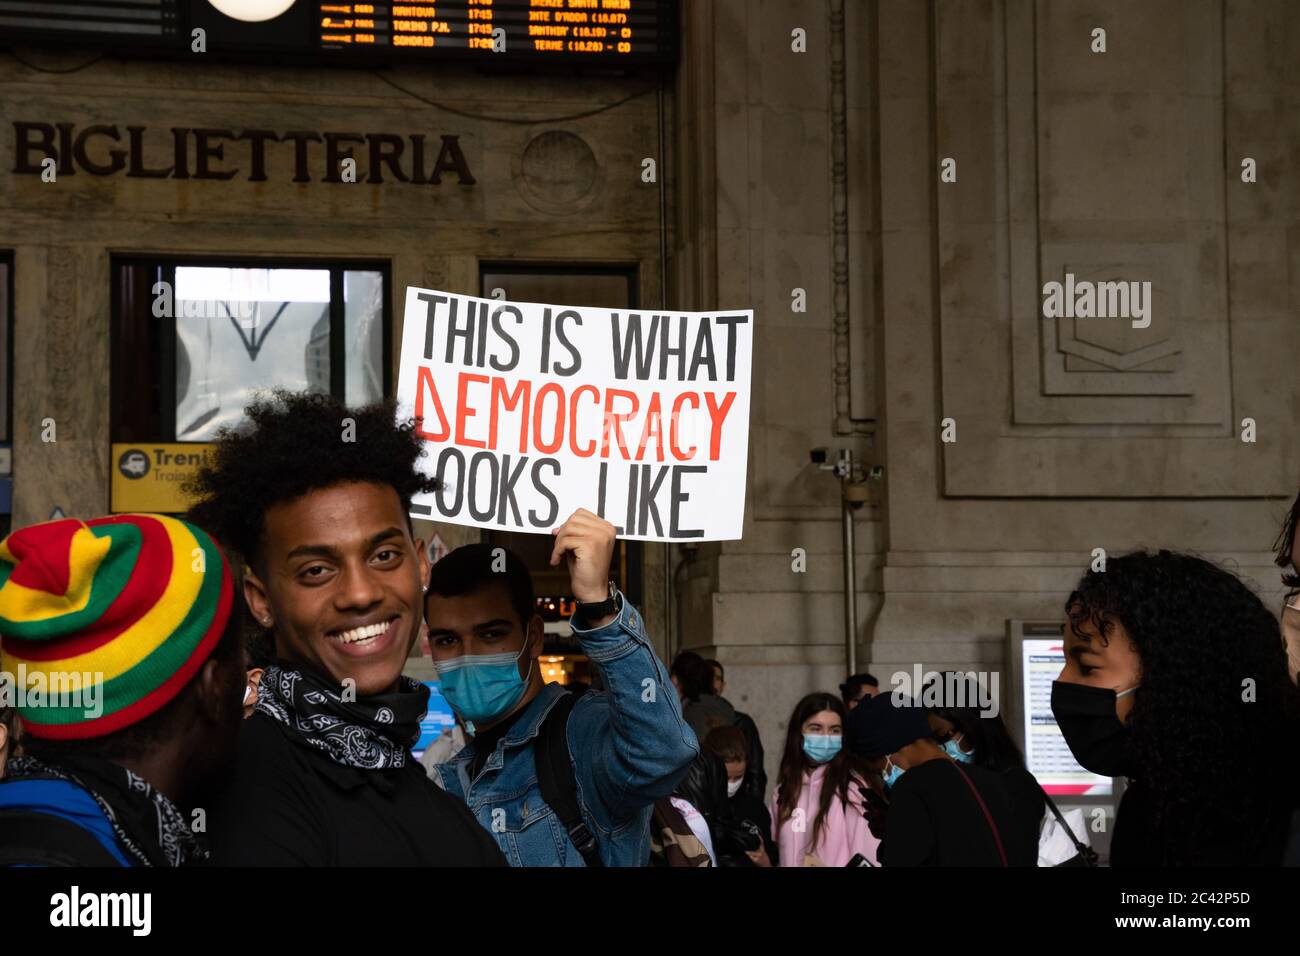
(1176, 677)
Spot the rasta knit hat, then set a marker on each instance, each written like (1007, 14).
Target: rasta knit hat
(103, 622)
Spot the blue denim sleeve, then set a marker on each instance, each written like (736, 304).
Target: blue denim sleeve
(630, 743)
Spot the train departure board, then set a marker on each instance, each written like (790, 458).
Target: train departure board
(125, 21)
(593, 32)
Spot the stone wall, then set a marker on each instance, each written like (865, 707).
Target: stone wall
(1070, 436)
(818, 174)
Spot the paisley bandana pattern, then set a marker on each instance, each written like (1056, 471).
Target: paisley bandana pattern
(372, 733)
(149, 828)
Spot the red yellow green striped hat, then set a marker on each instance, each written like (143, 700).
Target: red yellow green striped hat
(131, 604)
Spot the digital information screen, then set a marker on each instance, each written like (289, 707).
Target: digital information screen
(1046, 753)
(438, 719)
(577, 31)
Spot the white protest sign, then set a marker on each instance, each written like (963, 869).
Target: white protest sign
(531, 411)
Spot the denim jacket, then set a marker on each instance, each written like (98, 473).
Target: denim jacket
(628, 744)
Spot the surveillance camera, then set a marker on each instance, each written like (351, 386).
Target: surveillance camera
(817, 456)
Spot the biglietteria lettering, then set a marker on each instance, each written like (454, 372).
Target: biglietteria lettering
(419, 159)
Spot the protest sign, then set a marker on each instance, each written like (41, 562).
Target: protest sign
(530, 411)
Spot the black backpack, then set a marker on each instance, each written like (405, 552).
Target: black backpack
(556, 779)
(41, 839)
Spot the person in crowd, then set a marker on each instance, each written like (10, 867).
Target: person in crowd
(678, 836)
(703, 709)
(701, 799)
(858, 687)
(334, 577)
(608, 755)
(1176, 677)
(8, 735)
(1287, 557)
(744, 808)
(969, 735)
(445, 746)
(756, 776)
(942, 812)
(817, 810)
(136, 616)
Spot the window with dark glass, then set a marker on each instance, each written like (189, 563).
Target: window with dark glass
(193, 340)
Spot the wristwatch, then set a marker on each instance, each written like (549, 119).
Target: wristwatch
(595, 610)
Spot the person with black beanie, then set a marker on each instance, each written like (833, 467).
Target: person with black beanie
(940, 813)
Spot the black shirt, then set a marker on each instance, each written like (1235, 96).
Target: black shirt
(935, 820)
(290, 805)
(1028, 804)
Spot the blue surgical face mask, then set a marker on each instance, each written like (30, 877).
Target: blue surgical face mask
(954, 751)
(821, 747)
(483, 687)
(891, 773)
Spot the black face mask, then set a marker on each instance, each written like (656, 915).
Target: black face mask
(1096, 736)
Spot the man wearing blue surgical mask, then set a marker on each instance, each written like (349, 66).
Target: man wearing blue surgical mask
(557, 781)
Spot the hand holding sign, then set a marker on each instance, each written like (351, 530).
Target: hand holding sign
(586, 541)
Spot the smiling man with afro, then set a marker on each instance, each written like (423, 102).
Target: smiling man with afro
(314, 497)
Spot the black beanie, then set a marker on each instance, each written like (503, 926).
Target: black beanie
(882, 725)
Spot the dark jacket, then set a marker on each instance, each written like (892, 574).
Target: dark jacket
(935, 820)
(55, 823)
(745, 824)
(711, 711)
(707, 712)
(755, 775)
(291, 805)
(705, 785)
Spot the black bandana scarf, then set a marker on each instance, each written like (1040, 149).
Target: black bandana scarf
(373, 733)
(150, 829)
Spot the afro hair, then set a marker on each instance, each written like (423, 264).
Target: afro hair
(294, 443)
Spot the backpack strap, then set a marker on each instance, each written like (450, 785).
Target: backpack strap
(1087, 852)
(556, 779)
(997, 837)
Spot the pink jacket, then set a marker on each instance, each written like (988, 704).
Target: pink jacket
(844, 832)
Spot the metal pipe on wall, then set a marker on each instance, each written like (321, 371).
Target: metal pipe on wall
(850, 591)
